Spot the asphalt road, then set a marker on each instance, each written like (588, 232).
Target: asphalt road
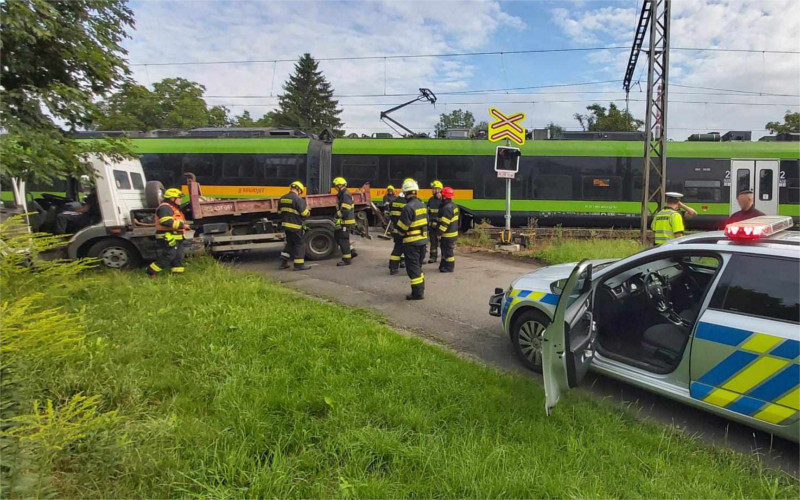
(455, 314)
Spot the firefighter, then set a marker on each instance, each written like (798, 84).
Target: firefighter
(171, 224)
(294, 210)
(388, 198)
(448, 231)
(413, 227)
(668, 222)
(434, 203)
(345, 220)
(396, 257)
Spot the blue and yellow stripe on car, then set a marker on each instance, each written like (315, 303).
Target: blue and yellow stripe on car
(516, 296)
(760, 379)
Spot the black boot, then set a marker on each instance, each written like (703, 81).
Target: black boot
(411, 296)
(343, 263)
(302, 267)
(393, 271)
(285, 264)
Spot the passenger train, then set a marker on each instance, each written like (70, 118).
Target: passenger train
(593, 183)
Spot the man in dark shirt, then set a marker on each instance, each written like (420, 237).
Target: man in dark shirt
(748, 211)
(80, 218)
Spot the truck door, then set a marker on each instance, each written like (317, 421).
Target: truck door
(762, 177)
(568, 343)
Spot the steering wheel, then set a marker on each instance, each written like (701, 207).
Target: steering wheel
(657, 289)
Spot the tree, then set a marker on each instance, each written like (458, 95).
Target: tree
(791, 123)
(455, 119)
(556, 131)
(58, 56)
(481, 128)
(307, 102)
(598, 120)
(245, 120)
(173, 103)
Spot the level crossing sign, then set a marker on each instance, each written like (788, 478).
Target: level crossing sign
(506, 127)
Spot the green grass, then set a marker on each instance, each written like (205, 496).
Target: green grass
(228, 385)
(558, 250)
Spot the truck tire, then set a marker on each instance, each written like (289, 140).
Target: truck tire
(153, 193)
(319, 243)
(115, 253)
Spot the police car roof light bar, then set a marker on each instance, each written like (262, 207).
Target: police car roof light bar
(758, 227)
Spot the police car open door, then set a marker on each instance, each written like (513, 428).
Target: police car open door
(567, 344)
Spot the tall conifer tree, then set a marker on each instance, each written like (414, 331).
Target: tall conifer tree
(307, 102)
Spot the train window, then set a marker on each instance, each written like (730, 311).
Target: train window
(121, 178)
(765, 185)
(238, 166)
(742, 179)
(552, 187)
(451, 169)
(280, 166)
(702, 190)
(138, 182)
(359, 169)
(601, 188)
(201, 165)
(402, 167)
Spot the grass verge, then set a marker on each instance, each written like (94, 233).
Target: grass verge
(227, 385)
(560, 250)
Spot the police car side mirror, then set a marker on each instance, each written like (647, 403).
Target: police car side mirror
(557, 287)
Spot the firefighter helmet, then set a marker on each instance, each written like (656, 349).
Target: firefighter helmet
(448, 193)
(410, 185)
(437, 184)
(339, 181)
(390, 188)
(172, 193)
(298, 185)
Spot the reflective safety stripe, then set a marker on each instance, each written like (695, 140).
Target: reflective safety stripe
(347, 206)
(299, 261)
(177, 270)
(155, 268)
(286, 201)
(292, 226)
(349, 222)
(165, 219)
(418, 281)
(176, 224)
(394, 257)
(421, 211)
(285, 255)
(172, 236)
(289, 210)
(412, 239)
(445, 220)
(347, 256)
(398, 204)
(395, 213)
(450, 259)
(402, 225)
(433, 210)
(419, 222)
(305, 212)
(454, 234)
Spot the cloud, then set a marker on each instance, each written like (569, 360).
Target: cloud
(230, 31)
(747, 25)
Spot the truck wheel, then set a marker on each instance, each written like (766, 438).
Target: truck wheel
(114, 253)
(153, 192)
(318, 243)
(526, 335)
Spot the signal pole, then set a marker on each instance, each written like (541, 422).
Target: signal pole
(656, 13)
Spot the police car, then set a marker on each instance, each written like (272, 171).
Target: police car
(711, 320)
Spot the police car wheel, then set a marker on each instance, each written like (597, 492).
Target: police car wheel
(526, 335)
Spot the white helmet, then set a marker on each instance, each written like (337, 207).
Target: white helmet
(410, 185)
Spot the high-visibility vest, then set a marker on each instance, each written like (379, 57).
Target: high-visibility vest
(174, 222)
(666, 223)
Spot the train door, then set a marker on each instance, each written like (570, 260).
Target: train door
(762, 177)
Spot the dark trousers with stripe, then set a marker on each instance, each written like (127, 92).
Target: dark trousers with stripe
(448, 254)
(415, 256)
(433, 235)
(294, 250)
(397, 252)
(342, 236)
(167, 257)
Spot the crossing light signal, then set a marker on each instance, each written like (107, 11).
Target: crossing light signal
(506, 159)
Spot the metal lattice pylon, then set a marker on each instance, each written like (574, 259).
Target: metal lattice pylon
(654, 173)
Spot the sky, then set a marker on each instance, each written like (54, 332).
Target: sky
(202, 31)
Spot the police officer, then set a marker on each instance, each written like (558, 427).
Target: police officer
(434, 203)
(448, 230)
(748, 211)
(345, 220)
(294, 210)
(388, 198)
(668, 222)
(413, 227)
(396, 257)
(171, 224)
